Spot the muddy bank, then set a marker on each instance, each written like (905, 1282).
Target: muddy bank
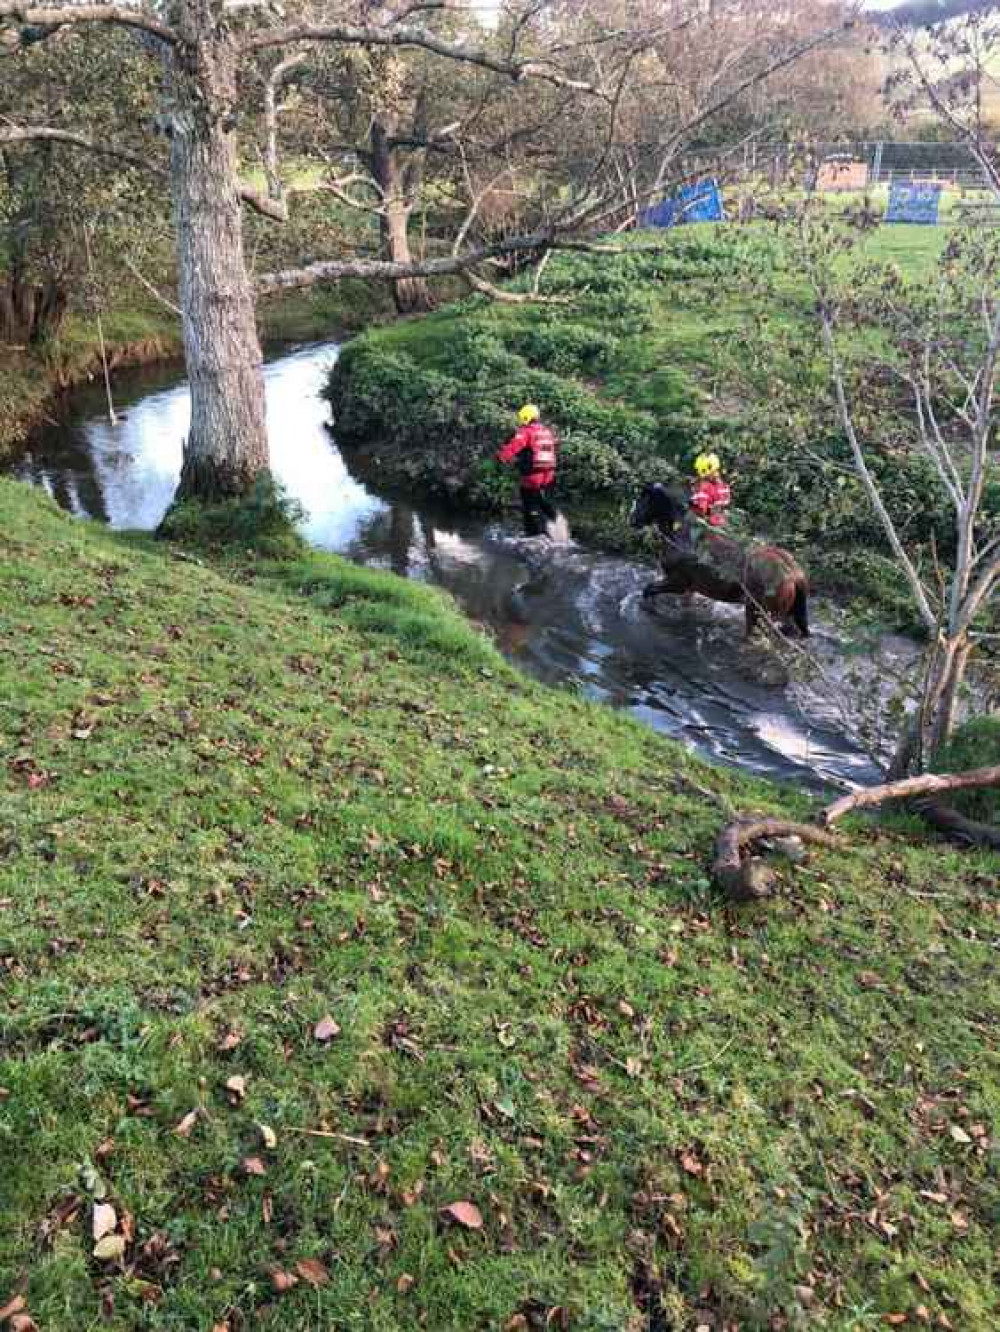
(34, 384)
(33, 387)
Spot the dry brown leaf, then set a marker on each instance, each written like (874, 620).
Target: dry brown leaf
(282, 1281)
(466, 1214)
(253, 1165)
(690, 1163)
(105, 1220)
(517, 1324)
(229, 1042)
(12, 1307)
(405, 1284)
(326, 1029)
(183, 1129)
(236, 1088)
(313, 1271)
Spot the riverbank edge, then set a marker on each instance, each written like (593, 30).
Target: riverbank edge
(33, 384)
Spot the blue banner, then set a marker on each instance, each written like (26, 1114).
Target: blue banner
(694, 203)
(910, 202)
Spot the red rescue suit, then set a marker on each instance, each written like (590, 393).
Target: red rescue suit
(538, 465)
(710, 499)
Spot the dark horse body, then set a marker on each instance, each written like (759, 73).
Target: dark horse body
(764, 579)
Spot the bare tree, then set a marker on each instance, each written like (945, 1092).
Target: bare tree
(949, 69)
(924, 385)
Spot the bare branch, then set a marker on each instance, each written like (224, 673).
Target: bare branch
(929, 784)
(868, 481)
(58, 16)
(12, 134)
(343, 34)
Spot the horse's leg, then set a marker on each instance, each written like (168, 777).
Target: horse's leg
(657, 589)
(800, 610)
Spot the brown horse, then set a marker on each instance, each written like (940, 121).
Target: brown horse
(764, 579)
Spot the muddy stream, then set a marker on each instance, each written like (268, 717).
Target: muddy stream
(563, 613)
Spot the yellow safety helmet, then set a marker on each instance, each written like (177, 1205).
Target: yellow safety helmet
(528, 413)
(707, 464)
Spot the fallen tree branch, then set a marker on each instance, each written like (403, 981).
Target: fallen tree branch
(929, 784)
(742, 876)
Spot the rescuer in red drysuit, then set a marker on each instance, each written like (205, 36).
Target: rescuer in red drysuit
(535, 449)
(710, 495)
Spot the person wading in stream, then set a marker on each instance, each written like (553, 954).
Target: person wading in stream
(535, 449)
(709, 501)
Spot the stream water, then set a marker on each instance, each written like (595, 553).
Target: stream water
(563, 613)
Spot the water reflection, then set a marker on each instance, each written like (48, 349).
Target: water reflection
(565, 614)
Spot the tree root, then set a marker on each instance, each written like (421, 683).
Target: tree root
(958, 827)
(746, 878)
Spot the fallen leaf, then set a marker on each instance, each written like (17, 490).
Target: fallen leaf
(236, 1088)
(253, 1165)
(23, 1322)
(465, 1214)
(959, 1135)
(268, 1136)
(110, 1248)
(105, 1220)
(229, 1042)
(690, 1163)
(869, 979)
(16, 1305)
(313, 1271)
(896, 1319)
(326, 1029)
(405, 1284)
(517, 1324)
(183, 1129)
(282, 1281)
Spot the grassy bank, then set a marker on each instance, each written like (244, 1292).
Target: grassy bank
(138, 332)
(236, 802)
(640, 359)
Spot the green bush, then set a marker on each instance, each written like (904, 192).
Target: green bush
(976, 744)
(263, 521)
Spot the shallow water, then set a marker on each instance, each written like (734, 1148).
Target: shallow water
(563, 613)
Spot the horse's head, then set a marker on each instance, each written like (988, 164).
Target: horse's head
(660, 505)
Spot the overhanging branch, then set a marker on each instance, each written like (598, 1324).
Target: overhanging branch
(58, 16)
(344, 34)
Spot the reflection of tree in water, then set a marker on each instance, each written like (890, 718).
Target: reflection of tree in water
(67, 473)
(401, 530)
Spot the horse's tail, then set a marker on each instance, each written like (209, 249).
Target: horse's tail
(800, 606)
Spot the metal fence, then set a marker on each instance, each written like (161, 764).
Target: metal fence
(887, 161)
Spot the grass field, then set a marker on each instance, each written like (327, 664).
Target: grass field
(238, 801)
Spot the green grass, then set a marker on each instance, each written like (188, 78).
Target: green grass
(237, 800)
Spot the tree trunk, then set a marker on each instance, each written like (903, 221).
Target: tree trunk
(934, 721)
(412, 295)
(226, 450)
(30, 313)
